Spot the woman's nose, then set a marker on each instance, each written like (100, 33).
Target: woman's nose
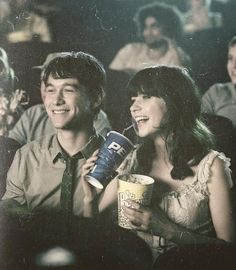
(135, 106)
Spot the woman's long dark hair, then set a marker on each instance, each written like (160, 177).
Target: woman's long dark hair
(188, 140)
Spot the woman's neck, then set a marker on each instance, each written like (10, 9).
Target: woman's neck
(160, 148)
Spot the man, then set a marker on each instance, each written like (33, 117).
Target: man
(73, 95)
(160, 28)
(35, 123)
(220, 98)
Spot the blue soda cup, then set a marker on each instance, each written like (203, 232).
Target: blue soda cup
(111, 154)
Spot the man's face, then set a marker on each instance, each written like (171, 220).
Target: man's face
(67, 103)
(152, 32)
(231, 64)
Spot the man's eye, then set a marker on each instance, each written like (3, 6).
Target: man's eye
(132, 100)
(69, 90)
(146, 96)
(49, 90)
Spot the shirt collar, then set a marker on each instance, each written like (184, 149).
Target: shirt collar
(94, 143)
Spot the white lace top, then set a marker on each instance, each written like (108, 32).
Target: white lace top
(188, 205)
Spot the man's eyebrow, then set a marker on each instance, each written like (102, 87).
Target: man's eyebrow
(64, 84)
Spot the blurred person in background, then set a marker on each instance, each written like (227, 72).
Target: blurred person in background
(220, 99)
(10, 98)
(160, 28)
(200, 17)
(24, 21)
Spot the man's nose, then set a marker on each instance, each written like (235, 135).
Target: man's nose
(59, 98)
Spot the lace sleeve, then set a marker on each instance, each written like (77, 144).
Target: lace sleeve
(206, 163)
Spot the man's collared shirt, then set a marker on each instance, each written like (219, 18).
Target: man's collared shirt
(36, 173)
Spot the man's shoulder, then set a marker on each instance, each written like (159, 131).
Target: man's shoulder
(134, 46)
(37, 146)
(37, 109)
(219, 89)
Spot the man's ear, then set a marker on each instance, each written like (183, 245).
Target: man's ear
(97, 102)
(42, 90)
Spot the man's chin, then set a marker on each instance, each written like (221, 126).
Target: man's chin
(157, 43)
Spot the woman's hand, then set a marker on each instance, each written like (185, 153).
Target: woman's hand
(145, 219)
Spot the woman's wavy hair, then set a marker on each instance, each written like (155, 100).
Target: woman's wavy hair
(188, 140)
(167, 16)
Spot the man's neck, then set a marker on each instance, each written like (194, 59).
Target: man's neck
(73, 141)
(158, 49)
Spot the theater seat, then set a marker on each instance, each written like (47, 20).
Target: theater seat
(8, 148)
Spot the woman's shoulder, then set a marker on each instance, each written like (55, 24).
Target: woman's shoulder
(213, 162)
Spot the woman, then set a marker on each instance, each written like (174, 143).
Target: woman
(191, 198)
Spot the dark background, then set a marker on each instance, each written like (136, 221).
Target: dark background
(101, 27)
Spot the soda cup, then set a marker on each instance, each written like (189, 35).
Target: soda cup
(111, 154)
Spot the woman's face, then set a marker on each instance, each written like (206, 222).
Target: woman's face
(152, 32)
(231, 64)
(147, 113)
(195, 4)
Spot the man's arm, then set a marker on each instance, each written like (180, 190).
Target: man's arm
(14, 183)
(119, 61)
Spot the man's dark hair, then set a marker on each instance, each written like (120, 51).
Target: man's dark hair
(82, 66)
(167, 16)
(232, 42)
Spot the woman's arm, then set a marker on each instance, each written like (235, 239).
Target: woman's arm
(220, 202)
(157, 222)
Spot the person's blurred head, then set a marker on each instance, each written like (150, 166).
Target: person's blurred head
(196, 4)
(158, 20)
(231, 62)
(7, 78)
